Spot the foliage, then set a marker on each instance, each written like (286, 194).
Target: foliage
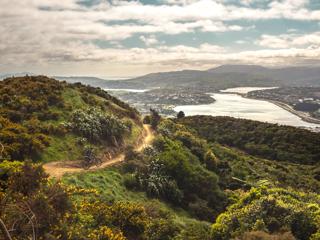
(30, 204)
(234, 164)
(35, 112)
(270, 210)
(180, 115)
(155, 118)
(266, 140)
(95, 125)
(260, 235)
(90, 157)
(173, 168)
(19, 142)
(195, 231)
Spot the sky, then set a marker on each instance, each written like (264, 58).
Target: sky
(116, 38)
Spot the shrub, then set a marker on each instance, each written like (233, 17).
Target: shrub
(272, 209)
(97, 126)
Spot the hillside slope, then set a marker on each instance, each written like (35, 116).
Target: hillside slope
(46, 120)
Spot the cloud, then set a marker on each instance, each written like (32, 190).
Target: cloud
(149, 40)
(289, 40)
(48, 33)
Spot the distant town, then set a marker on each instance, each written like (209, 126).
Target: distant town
(163, 100)
(304, 99)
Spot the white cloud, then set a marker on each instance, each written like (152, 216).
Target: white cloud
(61, 33)
(149, 40)
(289, 40)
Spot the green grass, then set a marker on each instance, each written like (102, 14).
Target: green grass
(73, 98)
(134, 135)
(62, 148)
(66, 147)
(109, 183)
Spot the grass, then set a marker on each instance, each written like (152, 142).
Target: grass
(109, 183)
(62, 148)
(136, 132)
(73, 98)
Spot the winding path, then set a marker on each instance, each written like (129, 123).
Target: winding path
(58, 169)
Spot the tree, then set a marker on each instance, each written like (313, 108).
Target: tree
(147, 119)
(180, 115)
(155, 118)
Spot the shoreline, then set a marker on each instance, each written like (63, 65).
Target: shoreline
(303, 116)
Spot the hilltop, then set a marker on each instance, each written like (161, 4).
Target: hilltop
(46, 120)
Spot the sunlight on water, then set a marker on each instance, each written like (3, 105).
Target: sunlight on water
(234, 105)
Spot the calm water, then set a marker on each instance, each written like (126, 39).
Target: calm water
(234, 105)
(244, 90)
(126, 90)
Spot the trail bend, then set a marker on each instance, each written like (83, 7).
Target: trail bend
(58, 169)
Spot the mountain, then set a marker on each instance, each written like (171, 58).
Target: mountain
(93, 81)
(225, 76)
(195, 80)
(253, 69)
(18, 74)
(298, 76)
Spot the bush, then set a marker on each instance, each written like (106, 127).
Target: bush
(259, 235)
(272, 209)
(163, 229)
(97, 126)
(180, 115)
(130, 181)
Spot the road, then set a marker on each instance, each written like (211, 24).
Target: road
(58, 169)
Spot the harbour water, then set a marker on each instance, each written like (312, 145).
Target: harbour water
(234, 105)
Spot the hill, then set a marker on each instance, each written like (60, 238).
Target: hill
(45, 120)
(226, 76)
(282, 143)
(92, 81)
(200, 177)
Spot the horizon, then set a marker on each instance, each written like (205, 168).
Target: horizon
(134, 38)
(117, 78)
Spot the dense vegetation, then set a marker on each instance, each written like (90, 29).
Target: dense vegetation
(201, 178)
(37, 114)
(271, 210)
(266, 140)
(173, 167)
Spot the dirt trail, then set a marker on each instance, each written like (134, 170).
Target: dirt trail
(58, 169)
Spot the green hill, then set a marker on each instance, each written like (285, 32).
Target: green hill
(271, 141)
(200, 178)
(46, 120)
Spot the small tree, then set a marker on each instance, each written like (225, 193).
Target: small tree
(90, 157)
(155, 118)
(180, 115)
(147, 119)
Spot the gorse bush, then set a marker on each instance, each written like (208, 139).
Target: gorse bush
(19, 142)
(42, 209)
(271, 210)
(96, 125)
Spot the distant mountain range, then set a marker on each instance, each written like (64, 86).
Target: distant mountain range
(225, 76)
(18, 74)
